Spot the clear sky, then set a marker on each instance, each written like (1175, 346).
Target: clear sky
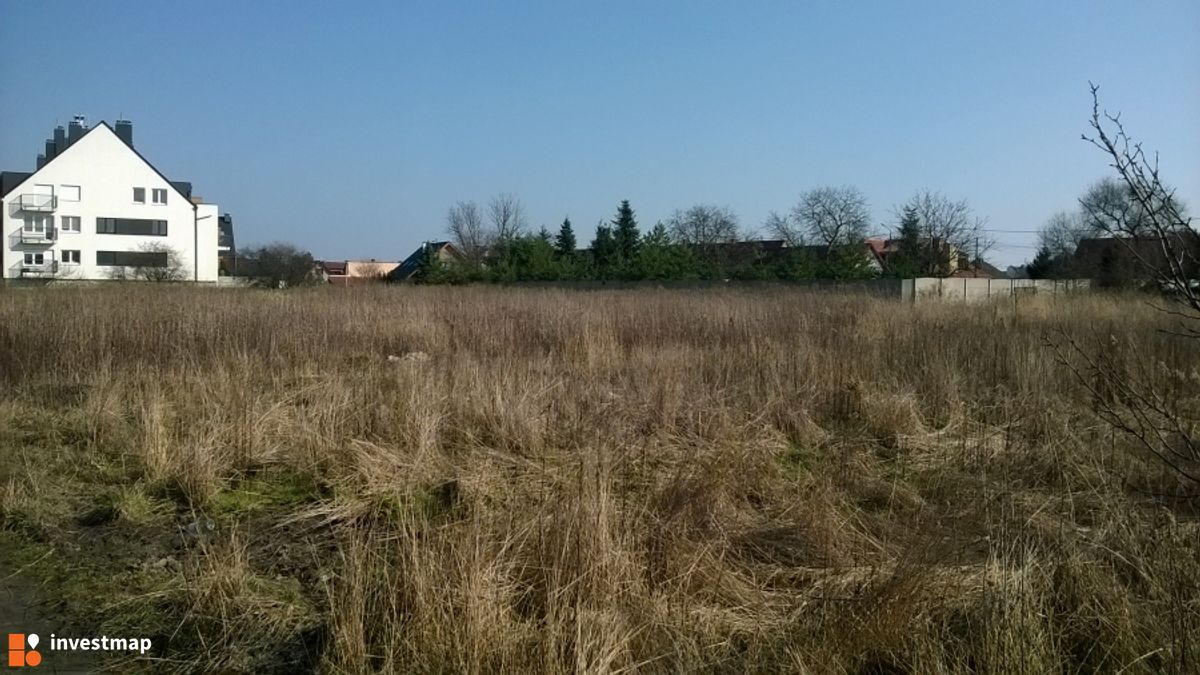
(350, 128)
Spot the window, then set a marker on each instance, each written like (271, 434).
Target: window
(69, 223)
(70, 257)
(139, 226)
(37, 223)
(35, 259)
(159, 196)
(139, 195)
(131, 258)
(68, 193)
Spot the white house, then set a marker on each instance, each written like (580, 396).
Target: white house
(96, 209)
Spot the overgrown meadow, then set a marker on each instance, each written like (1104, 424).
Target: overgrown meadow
(720, 481)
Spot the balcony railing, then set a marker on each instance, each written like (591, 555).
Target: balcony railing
(37, 237)
(46, 269)
(38, 203)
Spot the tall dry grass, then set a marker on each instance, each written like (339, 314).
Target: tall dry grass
(636, 481)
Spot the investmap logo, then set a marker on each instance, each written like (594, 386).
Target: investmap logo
(23, 649)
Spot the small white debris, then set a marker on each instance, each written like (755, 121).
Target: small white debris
(410, 356)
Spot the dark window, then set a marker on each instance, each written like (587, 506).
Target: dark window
(131, 258)
(154, 228)
(139, 195)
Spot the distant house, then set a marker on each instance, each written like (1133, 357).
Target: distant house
(1113, 261)
(741, 253)
(943, 259)
(767, 251)
(407, 270)
(354, 272)
(331, 270)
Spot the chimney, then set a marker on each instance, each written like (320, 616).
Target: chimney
(75, 129)
(60, 139)
(51, 150)
(124, 129)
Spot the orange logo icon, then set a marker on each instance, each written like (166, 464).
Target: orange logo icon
(19, 655)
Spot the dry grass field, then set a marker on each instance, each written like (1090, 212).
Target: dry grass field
(714, 481)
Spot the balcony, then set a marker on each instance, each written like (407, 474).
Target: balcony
(45, 270)
(36, 203)
(43, 237)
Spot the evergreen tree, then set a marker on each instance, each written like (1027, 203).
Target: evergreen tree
(432, 269)
(797, 265)
(625, 233)
(661, 259)
(604, 252)
(846, 262)
(1041, 265)
(564, 243)
(909, 259)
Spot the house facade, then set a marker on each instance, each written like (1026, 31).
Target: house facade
(96, 209)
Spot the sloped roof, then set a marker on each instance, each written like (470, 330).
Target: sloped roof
(412, 263)
(332, 267)
(9, 180)
(178, 186)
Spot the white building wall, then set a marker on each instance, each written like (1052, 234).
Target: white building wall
(205, 254)
(106, 171)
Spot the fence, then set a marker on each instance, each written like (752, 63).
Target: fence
(978, 290)
(907, 290)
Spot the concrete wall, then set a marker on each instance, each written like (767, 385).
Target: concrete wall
(978, 290)
(883, 288)
(906, 290)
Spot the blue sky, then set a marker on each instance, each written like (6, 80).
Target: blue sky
(350, 128)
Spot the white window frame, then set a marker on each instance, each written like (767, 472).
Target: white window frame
(38, 223)
(72, 224)
(67, 257)
(135, 195)
(34, 259)
(66, 192)
(156, 193)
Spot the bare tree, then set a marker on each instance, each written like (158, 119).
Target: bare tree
(1062, 233)
(279, 265)
(508, 217)
(1153, 212)
(783, 227)
(704, 224)
(1132, 400)
(948, 226)
(464, 223)
(833, 216)
(1108, 208)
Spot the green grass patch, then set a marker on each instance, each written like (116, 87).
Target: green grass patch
(798, 461)
(265, 491)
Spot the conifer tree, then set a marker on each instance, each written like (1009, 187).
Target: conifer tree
(625, 233)
(564, 242)
(604, 252)
(909, 259)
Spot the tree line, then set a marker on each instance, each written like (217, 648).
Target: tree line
(823, 236)
(1111, 210)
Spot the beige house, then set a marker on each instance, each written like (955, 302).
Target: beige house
(353, 272)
